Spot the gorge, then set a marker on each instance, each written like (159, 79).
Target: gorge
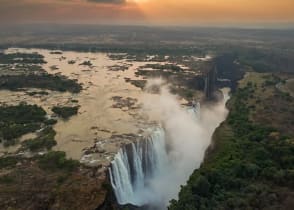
(139, 118)
(149, 172)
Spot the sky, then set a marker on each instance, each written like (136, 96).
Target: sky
(149, 12)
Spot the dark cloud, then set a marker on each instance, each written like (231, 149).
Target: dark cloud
(108, 1)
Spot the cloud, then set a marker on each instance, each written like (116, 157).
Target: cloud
(108, 1)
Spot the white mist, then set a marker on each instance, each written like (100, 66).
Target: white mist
(187, 136)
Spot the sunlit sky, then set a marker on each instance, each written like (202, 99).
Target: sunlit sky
(149, 12)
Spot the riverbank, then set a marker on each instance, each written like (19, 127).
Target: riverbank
(250, 164)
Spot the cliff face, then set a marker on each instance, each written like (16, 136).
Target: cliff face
(210, 83)
(223, 71)
(250, 163)
(228, 71)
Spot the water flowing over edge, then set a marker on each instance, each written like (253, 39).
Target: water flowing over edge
(135, 165)
(141, 170)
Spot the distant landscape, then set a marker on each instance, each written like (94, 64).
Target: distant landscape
(145, 117)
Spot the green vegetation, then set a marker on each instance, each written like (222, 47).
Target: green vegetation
(7, 162)
(74, 101)
(53, 161)
(250, 167)
(267, 104)
(137, 83)
(23, 58)
(33, 93)
(56, 53)
(184, 83)
(6, 179)
(47, 181)
(16, 121)
(65, 111)
(86, 63)
(154, 73)
(50, 122)
(45, 140)
(24, 70)
(21, 69)
(172, 67)
(266, 60)
(43, 81)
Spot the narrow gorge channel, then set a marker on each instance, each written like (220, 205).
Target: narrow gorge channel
(150, 171)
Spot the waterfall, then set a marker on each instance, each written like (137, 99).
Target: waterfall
(121, 178)
(151, 171)
(135, 165)
(225, 92)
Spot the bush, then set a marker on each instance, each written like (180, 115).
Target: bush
(201, 186)
(50, 122)
(65, 111)
(6, 179)
(44, 141)
(7, 162)
(23, 58)
(16, 121)
(43, 81)
(22, 114)
(57, 161)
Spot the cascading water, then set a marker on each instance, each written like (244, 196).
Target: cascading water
(121, 178)
(151, 171)
(135, 165)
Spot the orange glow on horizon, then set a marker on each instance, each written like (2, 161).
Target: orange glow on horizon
(218, 10)
(184, 12)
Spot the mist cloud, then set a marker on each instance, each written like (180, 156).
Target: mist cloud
(188, 137)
